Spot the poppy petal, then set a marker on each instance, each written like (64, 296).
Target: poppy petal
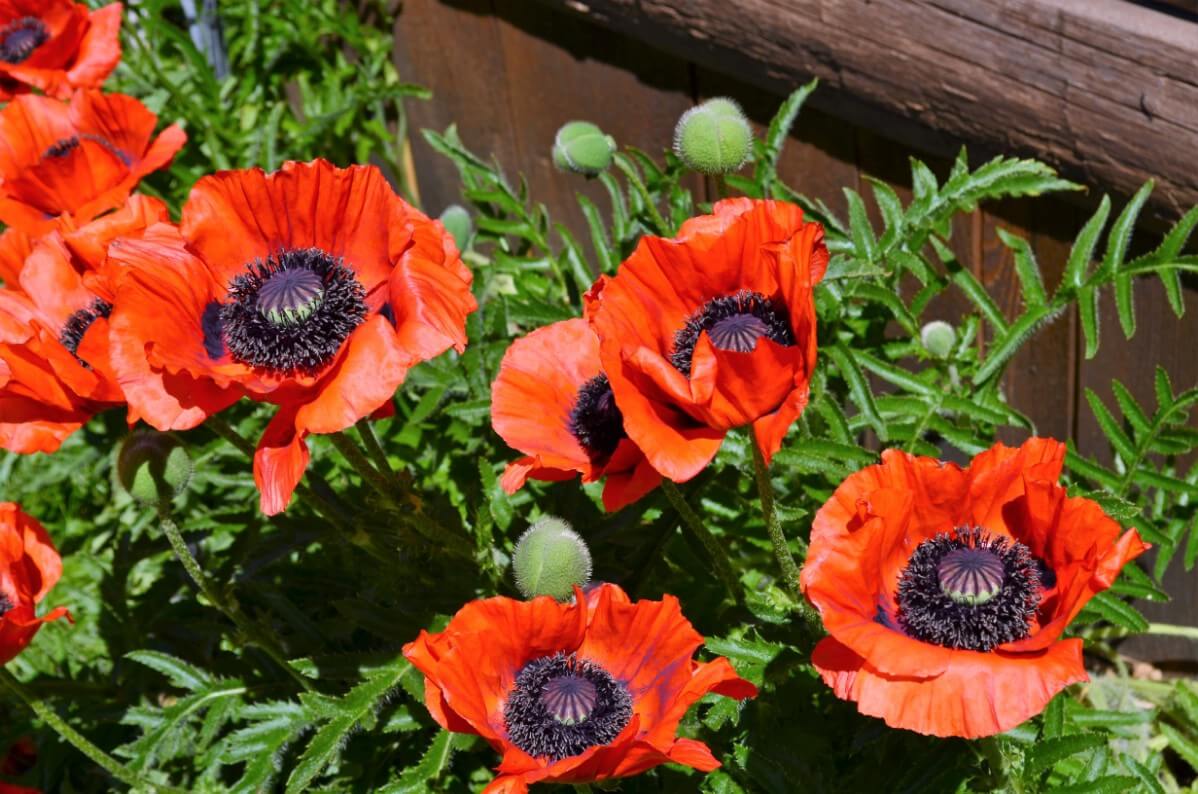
(279, 461)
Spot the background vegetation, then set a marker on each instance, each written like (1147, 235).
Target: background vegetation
(156, 675)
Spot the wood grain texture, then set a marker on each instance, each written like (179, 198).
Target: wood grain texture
(1104, 89)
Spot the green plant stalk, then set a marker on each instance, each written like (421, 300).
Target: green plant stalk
(374, 449)
(252, 631)
(765, 491)
(694, 524)
(78, 740)
(357, 459)
(1158, 629)
(634, 179)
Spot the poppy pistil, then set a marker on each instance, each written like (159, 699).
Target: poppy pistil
(735, 322)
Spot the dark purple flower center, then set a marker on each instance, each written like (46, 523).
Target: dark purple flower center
(64, 146)
(595, 420)
(969, 589)
(77, 325)
(733, 323)
(19, 38)
(561, 706)
(288, 313)
(5, 605)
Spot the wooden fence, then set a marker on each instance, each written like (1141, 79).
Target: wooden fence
(510, 73)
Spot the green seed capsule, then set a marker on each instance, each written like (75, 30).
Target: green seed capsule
(153, 467)
(583, 148)
(714, 137)
(550, 559)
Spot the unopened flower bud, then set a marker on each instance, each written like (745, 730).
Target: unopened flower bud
(938, 338)
(583, 148)
(456, 221)
(153, 467)
(714, 137)
(550, 559)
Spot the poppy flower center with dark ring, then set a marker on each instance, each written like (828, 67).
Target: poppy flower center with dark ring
(595, 420)
(288, 313)
(19, 38)
(77, 325)
(64, 146)
(561, 706)
(970, 590)
(733, 323)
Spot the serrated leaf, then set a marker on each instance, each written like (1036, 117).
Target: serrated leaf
(181, 674)
(858, 388)
(865, 244)
(352, 709)
(416, 779)
(1118, 612)
(1047, 752)
(1082, 251)
(1181, 744)
(1107, 784)
(1031, 282)
(779, 129)
(1087, 312)
(1111, 429)
(1146, 778)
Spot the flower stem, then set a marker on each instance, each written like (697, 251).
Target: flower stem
(694, 524)
(251, 630)
(357, 459)
(374, 449)
(765, 491)
(77, 740)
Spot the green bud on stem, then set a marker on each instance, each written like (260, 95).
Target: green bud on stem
(153, 467)
(550, 558)
(583, 148)
(714, 137)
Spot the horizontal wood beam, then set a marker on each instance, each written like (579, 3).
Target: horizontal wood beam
(1105, 90)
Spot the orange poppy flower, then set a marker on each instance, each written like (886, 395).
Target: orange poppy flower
(56, 46)
(55, 371)
(946, 590)
(29, 567)
(79, 158)
(572, 693)
(315, 288)
(712, 330)
(551, 401)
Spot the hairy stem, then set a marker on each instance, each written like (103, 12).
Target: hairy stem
(374, 449)
(765, 491)
(357, 459)
(694, 524)
(78, 740)
(253, 632)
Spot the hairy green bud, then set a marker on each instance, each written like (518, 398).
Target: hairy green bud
(938, 338)
(714, 137)
(551, 558)
(583, 148)
(153, 467)
(456, 221)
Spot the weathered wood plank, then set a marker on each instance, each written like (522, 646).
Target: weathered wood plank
(1104, 89)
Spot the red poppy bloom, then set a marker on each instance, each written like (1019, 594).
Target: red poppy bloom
(315, 288)
(56, 46)
(80, 158)
(946, 590)
(55, 371)
(9, 788)
(712, 330)
(572, 693)
(29, 567)
(20, 758)
(552, 402)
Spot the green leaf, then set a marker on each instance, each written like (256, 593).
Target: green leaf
(1045, 753)
(1031, 282)
(1111, 429)
(434, 762)
(1120, 235)
(858, 387)
(865, 244)
(1083, 247)
(1087, 311)
(1183, 745)
(779, 129)
(1164, 389)
(1107, 784)
(1010, 343)
(350, 711)
(1147, 779)
(1118, 612)
(180, 673)
(1054, 717)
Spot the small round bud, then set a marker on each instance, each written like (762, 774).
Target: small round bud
(583, 148)
(938, 338)
(714, 137)
(551, 558)
(153, 467)
(456, 221)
